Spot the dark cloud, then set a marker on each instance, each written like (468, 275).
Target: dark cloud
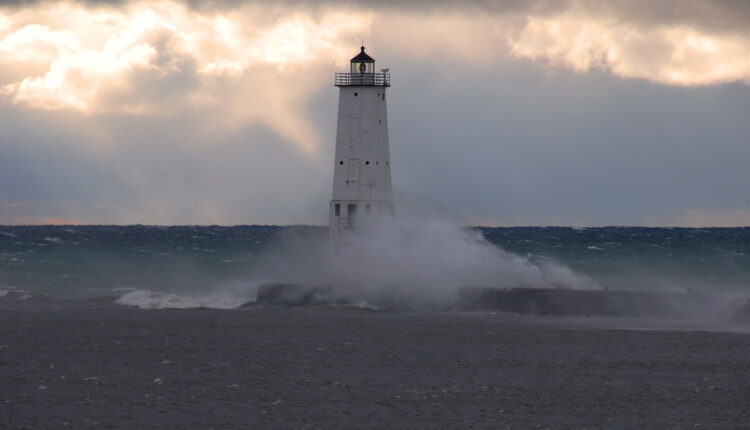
(48, 171)
(154, 171)
(569, 148)
(716, 15)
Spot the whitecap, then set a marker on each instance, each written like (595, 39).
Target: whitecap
(145, 299)
(12, 293)
(364, 304)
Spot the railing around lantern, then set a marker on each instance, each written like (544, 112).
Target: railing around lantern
(363, 79)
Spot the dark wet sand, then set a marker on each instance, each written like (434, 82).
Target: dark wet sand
(350, 368)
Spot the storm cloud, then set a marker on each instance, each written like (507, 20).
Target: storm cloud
(518, 112)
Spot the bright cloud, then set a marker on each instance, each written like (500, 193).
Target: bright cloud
(160, 58)
(668, 53)
(262, 63)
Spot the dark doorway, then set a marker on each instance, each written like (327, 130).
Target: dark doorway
(351, 212)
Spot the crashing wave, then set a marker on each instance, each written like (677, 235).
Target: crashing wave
(145, 299)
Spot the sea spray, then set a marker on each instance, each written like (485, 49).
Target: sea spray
(205, 262)
(411, 262)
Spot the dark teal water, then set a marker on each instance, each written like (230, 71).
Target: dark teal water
(95, 260)
(714, 256)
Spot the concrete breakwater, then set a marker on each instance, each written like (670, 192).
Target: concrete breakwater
(532, 301)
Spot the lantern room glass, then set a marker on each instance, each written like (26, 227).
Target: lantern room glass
(362, 67)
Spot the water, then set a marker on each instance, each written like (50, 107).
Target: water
(215, 266)
(78, 351)
(349, 368)
(639, 258)
(86, 261)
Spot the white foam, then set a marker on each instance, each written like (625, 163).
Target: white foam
(123, 289)
(421, 260)
(361, 304)
(15, 294)
(145, 299)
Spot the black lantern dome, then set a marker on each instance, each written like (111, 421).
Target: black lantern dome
(362, 63)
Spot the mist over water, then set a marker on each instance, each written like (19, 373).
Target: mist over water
(418, 260)
(413, 261)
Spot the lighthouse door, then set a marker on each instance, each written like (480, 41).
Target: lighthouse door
(353, 171)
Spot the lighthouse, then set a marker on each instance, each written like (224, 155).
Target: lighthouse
(362, 164)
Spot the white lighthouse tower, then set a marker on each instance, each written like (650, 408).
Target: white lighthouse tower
(362, 169)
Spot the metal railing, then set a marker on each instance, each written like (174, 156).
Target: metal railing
(363, 79)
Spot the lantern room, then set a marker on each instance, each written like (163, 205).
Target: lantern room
(362, 73)
(362, 63)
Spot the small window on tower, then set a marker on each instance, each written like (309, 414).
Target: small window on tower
(355, 94)
(367, 163)
(337, 209)
(341, 162)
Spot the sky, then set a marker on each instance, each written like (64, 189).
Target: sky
(505, 113)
